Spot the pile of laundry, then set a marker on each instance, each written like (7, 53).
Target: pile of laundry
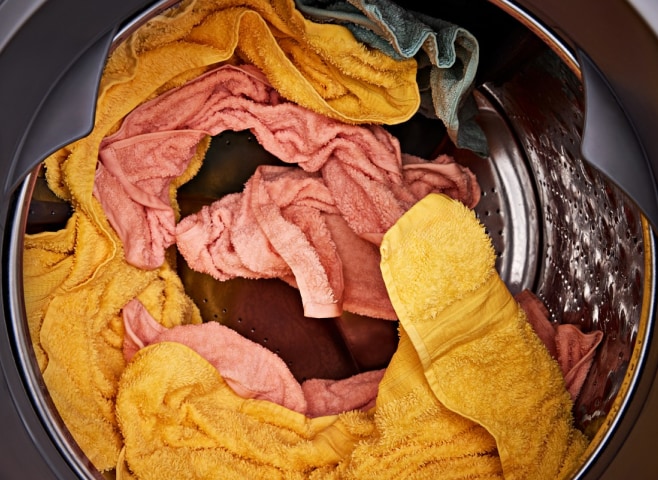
(481, 383)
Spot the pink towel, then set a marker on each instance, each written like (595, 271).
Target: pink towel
(573, 349)
(274, 228)
(358, 392)
(285, 225)
(249, 369)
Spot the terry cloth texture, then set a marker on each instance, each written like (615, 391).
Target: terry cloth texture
(277, 227)
(447, 55)
(572, 348)
(249, 369)
(76, 280)
(471, 392)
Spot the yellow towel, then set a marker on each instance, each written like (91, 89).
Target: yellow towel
(471, 392)
(76, 280)
(479, 355)
(319, 66)
(74, 314)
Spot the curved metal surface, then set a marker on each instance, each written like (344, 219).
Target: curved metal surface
(47, 412)
(596, 265)
(542, 31)
(508, 207)
(623, 45)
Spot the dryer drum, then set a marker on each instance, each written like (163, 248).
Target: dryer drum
(560, 227)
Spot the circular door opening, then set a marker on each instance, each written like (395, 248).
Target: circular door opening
(559, 228)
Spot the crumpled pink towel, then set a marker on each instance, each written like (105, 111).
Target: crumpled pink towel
(275, 229)
(286, 224)
(573, 349)
(250, 369)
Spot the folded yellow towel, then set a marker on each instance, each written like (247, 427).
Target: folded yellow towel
(479, 355)
(76, 280)
(471, 392)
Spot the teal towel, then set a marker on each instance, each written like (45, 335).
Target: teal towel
(447, 57)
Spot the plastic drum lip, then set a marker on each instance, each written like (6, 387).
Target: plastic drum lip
(11, 21)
